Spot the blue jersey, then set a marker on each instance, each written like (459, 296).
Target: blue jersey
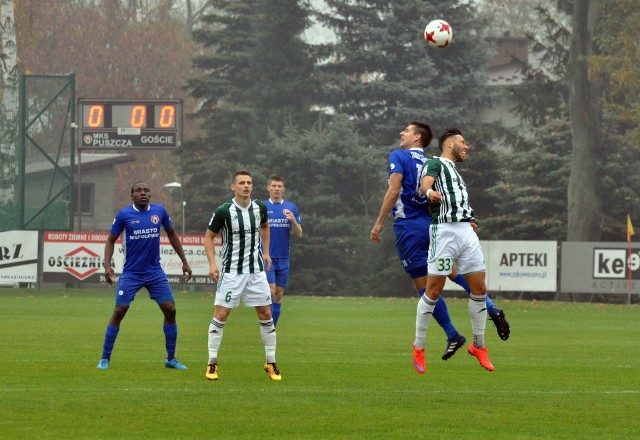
(141, 240)
(409, 163)
(280, 227)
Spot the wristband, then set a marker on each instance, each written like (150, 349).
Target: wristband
(429, 191)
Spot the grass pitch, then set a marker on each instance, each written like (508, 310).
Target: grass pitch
(569, 371)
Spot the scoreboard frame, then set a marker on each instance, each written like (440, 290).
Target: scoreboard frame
(129, 123)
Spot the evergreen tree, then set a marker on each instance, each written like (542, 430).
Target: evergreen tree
(254, 74)
(382, 73)
(284, 87)
(532, 195)
(481, 171)
(334, 180)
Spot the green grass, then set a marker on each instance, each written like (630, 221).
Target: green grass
(569, 371)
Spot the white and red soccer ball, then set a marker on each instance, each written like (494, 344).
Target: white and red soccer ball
(438, 33)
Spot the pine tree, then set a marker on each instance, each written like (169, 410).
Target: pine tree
(383, 74)
(254, 75)
(330, 176)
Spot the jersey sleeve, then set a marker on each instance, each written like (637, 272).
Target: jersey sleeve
(396, 164)
(296, 213)
(165, 219)
(264, 218)
(431, 168)
(217, 220)
(118, 224)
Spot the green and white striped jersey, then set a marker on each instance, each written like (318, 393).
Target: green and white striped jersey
(454, 206)
(240, 230)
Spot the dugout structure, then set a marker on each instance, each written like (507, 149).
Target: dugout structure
(37, 146)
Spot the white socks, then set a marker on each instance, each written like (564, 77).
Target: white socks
(216, 328)
(268, 333)
(478, 312)
(424, 311)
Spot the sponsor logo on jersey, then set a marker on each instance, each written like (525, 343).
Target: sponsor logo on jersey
(248, 231)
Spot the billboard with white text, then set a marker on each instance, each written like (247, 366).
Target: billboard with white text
(519, 266)
(79, 256)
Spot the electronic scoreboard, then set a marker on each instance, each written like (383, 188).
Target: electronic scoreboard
(123, 123)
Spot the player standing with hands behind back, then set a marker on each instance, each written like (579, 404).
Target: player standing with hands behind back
(283, 218)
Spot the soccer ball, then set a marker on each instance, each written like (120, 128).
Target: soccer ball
(438, 33)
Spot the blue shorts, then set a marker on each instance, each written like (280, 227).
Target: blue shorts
(412, 242)
(278, 273)
(156, 283)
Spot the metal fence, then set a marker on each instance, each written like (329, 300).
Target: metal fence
(37, 154)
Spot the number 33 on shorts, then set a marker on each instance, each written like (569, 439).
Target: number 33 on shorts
(444, 264)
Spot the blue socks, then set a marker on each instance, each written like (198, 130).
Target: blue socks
(109, 341)
(490, 304)
(275, 312)
(460, 281)
(170, 336)
(170, 333)
(441, 315)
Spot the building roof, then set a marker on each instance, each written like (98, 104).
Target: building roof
(503, 71)
(89, 161)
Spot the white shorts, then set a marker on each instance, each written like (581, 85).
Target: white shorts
(253, 288)
(454, 243)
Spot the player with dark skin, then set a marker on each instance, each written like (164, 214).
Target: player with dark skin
(141, 196)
